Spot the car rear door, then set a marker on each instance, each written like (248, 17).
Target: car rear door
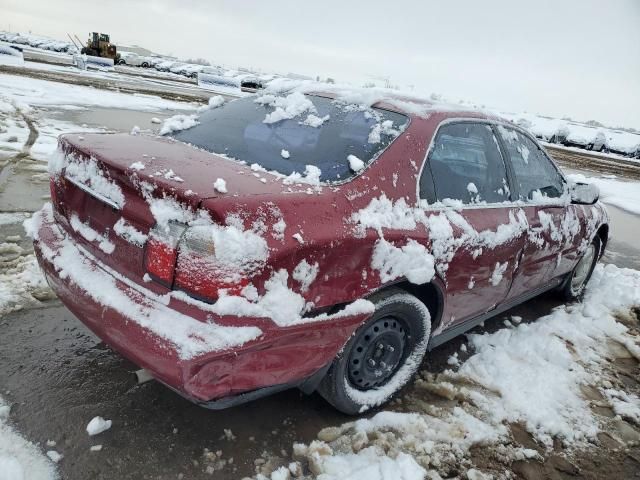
(476, 232)
(553, 222)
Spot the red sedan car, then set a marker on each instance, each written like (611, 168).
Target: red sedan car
(308, 240)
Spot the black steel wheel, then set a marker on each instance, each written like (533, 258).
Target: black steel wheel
(381, 356)
(377, 353)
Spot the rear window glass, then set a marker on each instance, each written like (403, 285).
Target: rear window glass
(324, 135)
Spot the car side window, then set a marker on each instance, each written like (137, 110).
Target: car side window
(466, 165)
(535, 173)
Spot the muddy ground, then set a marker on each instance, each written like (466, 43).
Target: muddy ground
(58, 376)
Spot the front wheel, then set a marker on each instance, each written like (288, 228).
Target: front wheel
(382, 356)
(575, 284)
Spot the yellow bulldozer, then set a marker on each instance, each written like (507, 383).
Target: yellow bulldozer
(99, 45)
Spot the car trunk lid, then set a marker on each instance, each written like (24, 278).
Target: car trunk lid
(106, 185)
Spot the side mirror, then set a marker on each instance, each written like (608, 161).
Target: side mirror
(584, 193)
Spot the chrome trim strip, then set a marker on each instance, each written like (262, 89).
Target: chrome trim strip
(93, 193)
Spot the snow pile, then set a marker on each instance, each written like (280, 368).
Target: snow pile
(19, 282)
(619, 193)
(279, 302)
(19, 458)
(411, 261)
(355, 164)
(314, 121)
(130, 233)
(367, 464)
(214, 102)
(498, 272)
(170, 175)
(531, 374)
(379, 129)
(220, 185)
(537, 369)
(98, 425)
(286, 107)
(10, 56)
(28, 92)
(91, 235)
(311, 176)
(87, 173)
(178, 123)
(137, 166)
(305, 273)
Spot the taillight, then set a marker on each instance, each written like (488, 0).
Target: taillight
(161, 251)
(199, 272)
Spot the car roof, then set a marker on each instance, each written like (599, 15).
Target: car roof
(386, 99)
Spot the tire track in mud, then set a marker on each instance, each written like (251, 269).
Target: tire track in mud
(33, 136)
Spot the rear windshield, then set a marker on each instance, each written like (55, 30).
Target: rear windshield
(323, 135)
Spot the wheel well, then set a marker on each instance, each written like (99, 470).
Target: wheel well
(603, 233)
(430, 295)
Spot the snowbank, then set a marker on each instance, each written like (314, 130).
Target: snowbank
(19, 458)
(10, 56)
(26, 92)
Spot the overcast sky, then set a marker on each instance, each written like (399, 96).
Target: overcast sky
(576, 58)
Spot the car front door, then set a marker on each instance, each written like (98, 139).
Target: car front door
(476, 232)
(550, 248)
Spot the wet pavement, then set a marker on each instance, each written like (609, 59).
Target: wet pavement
(58, 376)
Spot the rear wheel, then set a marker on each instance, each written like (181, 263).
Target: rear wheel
(575, 284)
(382, 356)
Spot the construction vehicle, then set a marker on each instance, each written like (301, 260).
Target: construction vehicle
(99, 45)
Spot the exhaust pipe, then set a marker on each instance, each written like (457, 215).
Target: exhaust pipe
(143, 376)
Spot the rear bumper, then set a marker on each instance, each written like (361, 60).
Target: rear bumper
(252, 354)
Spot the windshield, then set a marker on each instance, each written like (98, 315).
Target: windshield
(286, 135)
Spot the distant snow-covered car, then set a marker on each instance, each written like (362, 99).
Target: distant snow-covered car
(178, 68)
(623, 143)
(191, 70)
(165, 65)
(582, 136)
(133, 60)
(304, 240)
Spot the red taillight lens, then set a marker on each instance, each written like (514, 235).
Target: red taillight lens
(161, 251)
(199, 272)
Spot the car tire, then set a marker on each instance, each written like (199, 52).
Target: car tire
(574, 285)
(144, 65)
(394, 339)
